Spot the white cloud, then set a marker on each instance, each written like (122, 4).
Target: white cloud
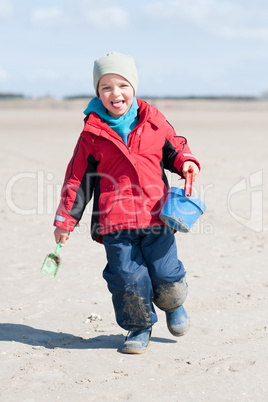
(6, 9)
(196, 10)
(46, 16)
(229, 19)
(43, 74)
(108, 17)
(3, 75)
(178, 9)
(243, 33)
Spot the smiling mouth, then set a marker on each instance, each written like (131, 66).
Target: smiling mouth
(118, 104)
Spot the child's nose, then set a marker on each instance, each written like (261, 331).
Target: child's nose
(116, 91)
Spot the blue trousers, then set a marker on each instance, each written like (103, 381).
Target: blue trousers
(142, 269)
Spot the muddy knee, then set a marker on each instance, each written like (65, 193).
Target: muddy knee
(169, 296)
(133, 312)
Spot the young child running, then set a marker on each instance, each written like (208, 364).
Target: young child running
(120, 159)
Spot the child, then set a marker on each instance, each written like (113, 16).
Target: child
(120, 158)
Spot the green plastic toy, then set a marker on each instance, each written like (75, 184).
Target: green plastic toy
(52, 262)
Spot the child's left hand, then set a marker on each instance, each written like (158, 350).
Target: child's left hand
(190, 165)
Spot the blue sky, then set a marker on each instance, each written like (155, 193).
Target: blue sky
(181, 47)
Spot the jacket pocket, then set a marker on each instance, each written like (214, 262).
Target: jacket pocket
(118, 207)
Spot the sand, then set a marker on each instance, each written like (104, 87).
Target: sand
(59, 338)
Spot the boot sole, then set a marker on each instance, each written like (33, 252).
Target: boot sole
(134, 349)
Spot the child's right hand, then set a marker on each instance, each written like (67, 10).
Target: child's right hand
(61, 235)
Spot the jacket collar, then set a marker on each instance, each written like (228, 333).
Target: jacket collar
(147, 112)
(150, 113)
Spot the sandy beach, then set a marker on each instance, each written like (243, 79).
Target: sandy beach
(59, 338)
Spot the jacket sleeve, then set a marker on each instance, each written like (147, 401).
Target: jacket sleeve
(78, 186)
(176, 151)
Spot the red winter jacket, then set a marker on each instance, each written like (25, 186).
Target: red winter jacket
(128, 182)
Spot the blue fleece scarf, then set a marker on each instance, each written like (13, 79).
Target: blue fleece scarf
(121, 125)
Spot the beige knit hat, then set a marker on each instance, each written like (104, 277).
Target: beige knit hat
(115, 63)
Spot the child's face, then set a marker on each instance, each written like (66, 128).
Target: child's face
(116, 94)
